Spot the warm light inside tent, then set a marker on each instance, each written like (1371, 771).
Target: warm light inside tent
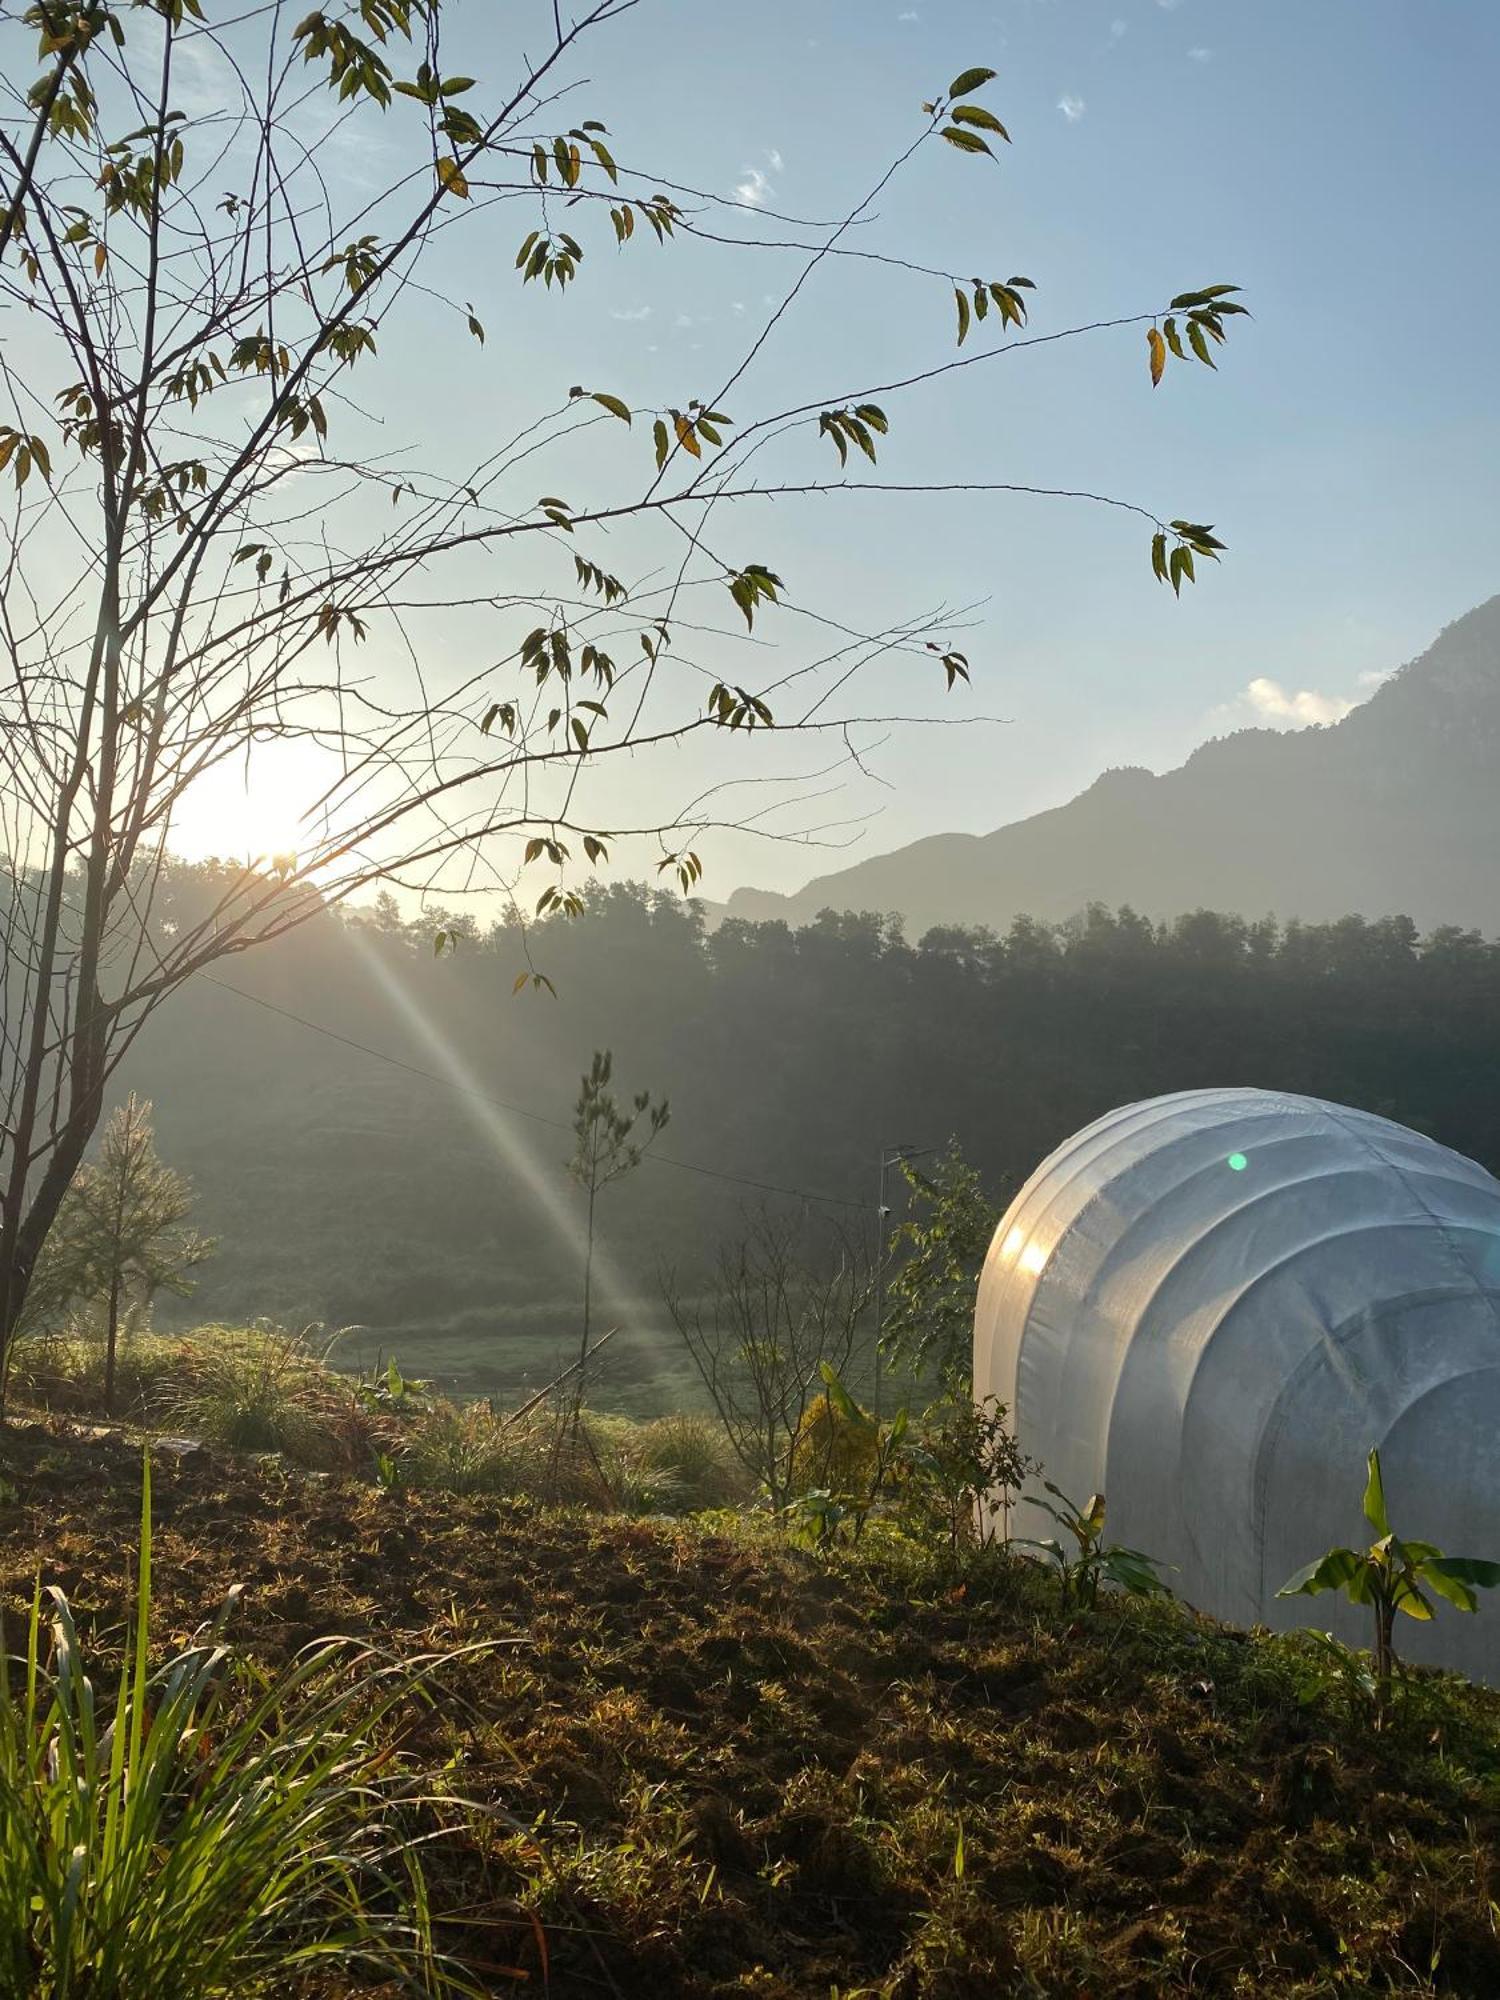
(1033, 1259)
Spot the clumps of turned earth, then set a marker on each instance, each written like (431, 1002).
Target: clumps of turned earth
(697, 1761)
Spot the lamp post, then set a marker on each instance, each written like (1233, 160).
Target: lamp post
(890, 1156)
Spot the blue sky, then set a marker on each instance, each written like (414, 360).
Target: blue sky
(1334, 157)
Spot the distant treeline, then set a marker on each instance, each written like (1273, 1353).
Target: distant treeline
(347, 1189)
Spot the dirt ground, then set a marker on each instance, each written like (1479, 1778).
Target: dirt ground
(708, 1765)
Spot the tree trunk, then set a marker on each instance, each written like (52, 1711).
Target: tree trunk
(21, 1241)
(588, 1305)
(112, 1334)
(1385, 1619)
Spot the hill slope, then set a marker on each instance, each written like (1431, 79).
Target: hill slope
(1394, 808)
(710, 1767)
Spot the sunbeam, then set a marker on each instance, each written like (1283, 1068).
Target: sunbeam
(542, 1181)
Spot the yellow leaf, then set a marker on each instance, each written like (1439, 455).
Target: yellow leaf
(451, 179)
(1158, 349)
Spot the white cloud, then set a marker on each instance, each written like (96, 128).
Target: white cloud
(911, 14)
(631, 313)
(1117, 30)
(1072, 108)
(203, 82)
(1374, 677)
(1200, 55)
(1169, 6)
(755, 188)
(1271, 702)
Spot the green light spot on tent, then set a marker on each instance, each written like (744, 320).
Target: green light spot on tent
(1238, 1163)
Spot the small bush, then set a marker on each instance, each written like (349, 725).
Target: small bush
(834, 1451)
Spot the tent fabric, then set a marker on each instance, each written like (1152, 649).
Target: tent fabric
(1209, 1307)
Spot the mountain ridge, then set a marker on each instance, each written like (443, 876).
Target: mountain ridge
(1392, 808)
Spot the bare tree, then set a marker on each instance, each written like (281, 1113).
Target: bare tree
(230, 476)
(778, 1308)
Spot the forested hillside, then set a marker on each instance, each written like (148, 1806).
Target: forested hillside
(347, 1188)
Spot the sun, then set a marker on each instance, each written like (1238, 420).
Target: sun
(256, 808)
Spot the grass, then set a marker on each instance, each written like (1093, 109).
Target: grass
(713, 1767)
(207, 1833)
(261, 1388)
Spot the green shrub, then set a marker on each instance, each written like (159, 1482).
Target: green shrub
(181, 1843)
(837, 1447)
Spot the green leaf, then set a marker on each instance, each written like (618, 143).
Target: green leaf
(613, 404)
(1415, 1605)
(976, 115)
(1159, 556)
(1455, 1578)
(966, 142)
(1335, 1571)
(1453, 1588)
(663, 444)
(1132, 1572)
(1374, 1501)
(970, 79)
(838, 1395)
(1199, 345)
(451, 179)
(963, 315)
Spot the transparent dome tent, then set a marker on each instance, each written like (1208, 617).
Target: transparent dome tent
(1209, 1306)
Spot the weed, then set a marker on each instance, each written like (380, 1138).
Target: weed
(1093, 1560)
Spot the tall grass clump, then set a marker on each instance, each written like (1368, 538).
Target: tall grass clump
(260, 1388)
(179, 1842)
(695, 1455)
(63, 1369)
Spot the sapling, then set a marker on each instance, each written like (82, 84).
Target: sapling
(1392, 1575)
(1095, 1561)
